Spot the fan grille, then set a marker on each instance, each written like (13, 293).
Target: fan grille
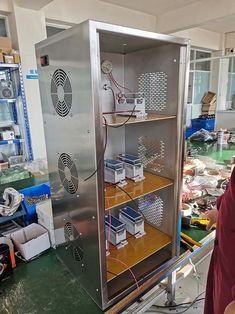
(68, 173)
(61, 92)
(72, 237)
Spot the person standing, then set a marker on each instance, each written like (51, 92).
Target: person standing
(220, 290)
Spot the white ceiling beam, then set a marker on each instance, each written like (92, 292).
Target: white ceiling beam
(33, 4)
(194, 15)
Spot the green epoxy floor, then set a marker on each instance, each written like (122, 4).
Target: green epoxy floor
(44, 285)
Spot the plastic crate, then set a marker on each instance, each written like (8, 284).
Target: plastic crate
(189, 132)
(36, 190)
(207, 124)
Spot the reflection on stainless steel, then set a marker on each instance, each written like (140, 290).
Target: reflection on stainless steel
(73, 102)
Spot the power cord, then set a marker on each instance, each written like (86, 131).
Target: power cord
(175, 307)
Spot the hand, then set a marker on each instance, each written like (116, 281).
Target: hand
(230, 309)
(212, 215)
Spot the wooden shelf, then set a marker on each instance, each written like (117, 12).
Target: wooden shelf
(114, 119)
(135, 251)
(114, 196)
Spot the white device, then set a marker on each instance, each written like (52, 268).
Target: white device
(6, 89)
(106, 66)
(129, 101)
(115, 231)
(133, 220)
(114, 172)
(8, 135)
(133, 167)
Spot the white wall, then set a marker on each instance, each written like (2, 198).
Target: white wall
(203, 38)
(229, 40)
(30, 26)
(5, 6)
(76, 11)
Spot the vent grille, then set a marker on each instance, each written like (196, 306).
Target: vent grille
(74, 242)
(68, 173)
(152, 208)
(152, 153)
(61, 93)
(154, 87)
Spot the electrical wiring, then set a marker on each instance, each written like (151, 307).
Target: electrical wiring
(128, 268)
(103, 152)
(124, 123)
(128, 195)
(172, 307)
(117, 84)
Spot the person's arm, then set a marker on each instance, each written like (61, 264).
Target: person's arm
(230, 309)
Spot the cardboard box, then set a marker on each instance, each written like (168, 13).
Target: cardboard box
(5, 43)
(8, 59)
(16, 58)
(31, 240)
(44, 213)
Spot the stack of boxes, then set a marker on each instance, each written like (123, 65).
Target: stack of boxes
(209, 104)
(207, 119)
(7, 54)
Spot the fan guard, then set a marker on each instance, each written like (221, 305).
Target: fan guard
(72, 238)
(61, 92)
(68, 173)
(7, 93)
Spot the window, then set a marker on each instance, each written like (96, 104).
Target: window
(199, 77)
(3, 27)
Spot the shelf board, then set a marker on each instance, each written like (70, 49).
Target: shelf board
(115, 196)
(114, 119)
(135, 251)
(8, 100)
(8, 65)
(14, 141)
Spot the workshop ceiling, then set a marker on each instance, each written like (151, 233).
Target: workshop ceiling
(153, 7)
(223, 25)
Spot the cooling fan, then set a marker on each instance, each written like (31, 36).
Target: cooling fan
(74, 242)
(68, 173)
(61, 92)
(6, 89)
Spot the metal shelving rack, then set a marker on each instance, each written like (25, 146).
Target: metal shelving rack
(74, 102)
(13, 72)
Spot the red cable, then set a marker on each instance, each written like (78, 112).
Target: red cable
(113, 79)
(124, 264)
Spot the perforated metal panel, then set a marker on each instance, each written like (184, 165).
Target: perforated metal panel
(154, 87)
(151, 152)
(152, 208)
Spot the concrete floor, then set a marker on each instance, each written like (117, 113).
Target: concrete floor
(45, 286)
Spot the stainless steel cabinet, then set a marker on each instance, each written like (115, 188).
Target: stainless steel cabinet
(80, 132)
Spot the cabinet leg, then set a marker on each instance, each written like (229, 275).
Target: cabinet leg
(171, 289)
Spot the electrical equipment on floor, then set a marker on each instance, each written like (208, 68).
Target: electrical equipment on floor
(7, 257)
(134, 169)
(6, 89)
(133, 220)
(131, 103)
(115, 231)
(95, 71)
(114, 172)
